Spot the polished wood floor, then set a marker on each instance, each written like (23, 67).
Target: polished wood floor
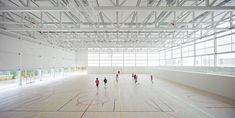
(78, 97)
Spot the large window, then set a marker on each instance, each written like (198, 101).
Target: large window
(153, 57)
(105, 58)
(213, 50)
(129, 55)
(93, 57)
(141, 57)
(117, 57)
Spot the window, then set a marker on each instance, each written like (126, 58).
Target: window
(7, 78)
(224, 44)
(207, 60)
(153, 58)
(117, 57)
(105, 58)
(129, 57)
(226, 60)
(204, 48)
(141, 57)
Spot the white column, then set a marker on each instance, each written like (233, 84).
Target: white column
(62, 72)
(40, 74)
(19, 77)
(215, 51)
(54, 73)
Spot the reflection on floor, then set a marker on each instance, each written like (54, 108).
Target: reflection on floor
(78, 97)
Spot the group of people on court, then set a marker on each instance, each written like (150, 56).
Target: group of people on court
(97, 82)
(134, 76)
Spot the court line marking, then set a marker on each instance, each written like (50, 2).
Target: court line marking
(32, 111)
(67, 102)
(114, 102)
(87, 108)
(189, 104)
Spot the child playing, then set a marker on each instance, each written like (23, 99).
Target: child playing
(97, 82)
(105, 81)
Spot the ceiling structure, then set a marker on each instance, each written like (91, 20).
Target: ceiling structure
(75, 24)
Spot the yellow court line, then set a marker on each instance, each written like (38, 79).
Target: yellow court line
(43, 115)
(120, 112)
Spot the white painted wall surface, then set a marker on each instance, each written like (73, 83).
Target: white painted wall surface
(19, 54)
(220, 85)
(81, 58)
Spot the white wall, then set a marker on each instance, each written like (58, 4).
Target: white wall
(81, 57)
(220, 85)
(19, 54)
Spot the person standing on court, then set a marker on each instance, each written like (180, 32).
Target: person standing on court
(151, 78)
(105, 81)
(97, 82)
(117, 77)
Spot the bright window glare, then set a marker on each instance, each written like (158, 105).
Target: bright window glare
(216, 50)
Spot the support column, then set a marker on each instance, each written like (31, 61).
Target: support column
(62, 70)
(215, 51)
(181, 53)
(40, 74)
(19, 77)
(54, 73)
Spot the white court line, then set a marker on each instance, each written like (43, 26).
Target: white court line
(183, 101)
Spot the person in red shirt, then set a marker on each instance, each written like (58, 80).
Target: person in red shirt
(97, 82)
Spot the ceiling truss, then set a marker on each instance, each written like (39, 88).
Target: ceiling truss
(74, 24)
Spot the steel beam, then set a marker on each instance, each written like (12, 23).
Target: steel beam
(120, 8)
(111, 29)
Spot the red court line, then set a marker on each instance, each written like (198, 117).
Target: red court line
(87, 107)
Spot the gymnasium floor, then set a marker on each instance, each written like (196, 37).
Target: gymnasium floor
(78, 97)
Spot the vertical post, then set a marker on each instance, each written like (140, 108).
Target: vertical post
(28, 3)
(155, 19)
(99, 57)
(181, 53)
(19, 77)
(165, 57)
(207, 2)
(194, 50)
(53, 73)
(60, 15)
(41, 17)
(147, 56)
(212, 19)
(123, 59)
(111, 53)
(136, 19)
(177, 3)
(231, 19)
(62, 72)
(3, 17)
(135, 56)
(40, 74)
(58, 3)
(215, 51)
(194, 40)
(172, 55)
